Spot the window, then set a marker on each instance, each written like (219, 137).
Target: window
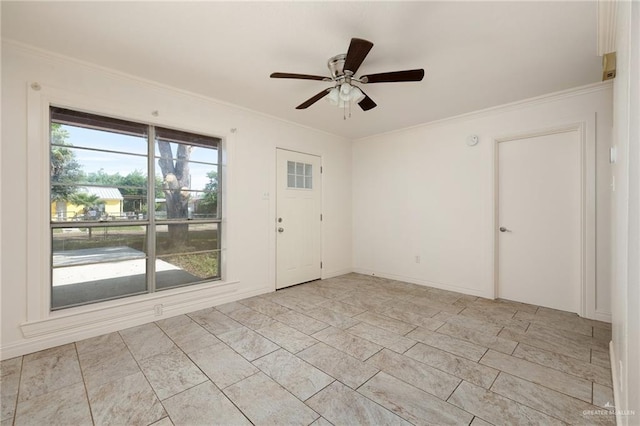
(114, 231)
(299, 175)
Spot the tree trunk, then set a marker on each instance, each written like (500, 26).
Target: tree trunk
(175, 185)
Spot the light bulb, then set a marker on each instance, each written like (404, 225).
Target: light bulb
(334, 96)
(345, 90)
(356, 94)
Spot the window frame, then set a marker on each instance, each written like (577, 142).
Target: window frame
(153, 134)
(38, 320)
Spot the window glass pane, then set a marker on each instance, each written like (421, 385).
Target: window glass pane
(196, 153)
(308, 169)
(181, 181)
(186, 238)
(83, 245)
(81, 167)
(203, 205)
(178, 270)
(291, 181)
(300, 168)
(291, 167)
(204, 155)
(92, 203)
(67, 135)
(186, 253)
(307, 183)
(202, 177)
(97, 263)
(299, 181)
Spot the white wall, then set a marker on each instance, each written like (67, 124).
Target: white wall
(250, 201)
(423, 192)
(625, 348)
(390, 197)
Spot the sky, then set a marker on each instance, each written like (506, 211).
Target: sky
(111, 163)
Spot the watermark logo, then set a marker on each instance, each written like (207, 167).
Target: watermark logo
(609, 410)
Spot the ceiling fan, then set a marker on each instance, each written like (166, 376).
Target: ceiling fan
(343, 68)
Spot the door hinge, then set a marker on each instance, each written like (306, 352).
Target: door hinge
(320, 217)
(320, 169)
(320, 265)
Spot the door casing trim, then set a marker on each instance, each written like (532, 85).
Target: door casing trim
(275, 212)
(586, 133)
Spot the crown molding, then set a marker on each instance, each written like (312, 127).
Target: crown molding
(117, 74)
(529, 102)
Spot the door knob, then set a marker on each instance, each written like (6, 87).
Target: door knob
(280, 229)
(503, 229)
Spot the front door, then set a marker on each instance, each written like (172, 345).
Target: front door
(298, 220)
(539, 220)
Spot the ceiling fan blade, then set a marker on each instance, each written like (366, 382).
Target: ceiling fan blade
(299, 76)
(367, 103)
(313, 99)
(358, 50)
(393, 77)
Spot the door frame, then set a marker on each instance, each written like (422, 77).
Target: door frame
(586, 133)
(275, 211)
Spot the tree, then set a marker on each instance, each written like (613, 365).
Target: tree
(134, 198)
(86, 200)
(175, 185)
(65, 169)
(209, 202)
(103, 178)
(133, 187)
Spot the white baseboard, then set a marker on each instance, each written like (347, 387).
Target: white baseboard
(441, 286)
(602, 316)
(60, 331)
(336, 273)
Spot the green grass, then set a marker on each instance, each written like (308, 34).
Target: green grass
(203, 265)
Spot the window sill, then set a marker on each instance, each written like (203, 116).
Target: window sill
(131, 311)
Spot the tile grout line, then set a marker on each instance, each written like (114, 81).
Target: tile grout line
(376, 402)
(536, 409)
(142, 371)
(546, 387)
(84, 384)
(15, 404)
(554, 368)
(231, 400)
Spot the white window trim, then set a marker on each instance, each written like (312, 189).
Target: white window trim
(40, 320)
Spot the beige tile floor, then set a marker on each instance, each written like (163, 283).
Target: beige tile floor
(348, 350)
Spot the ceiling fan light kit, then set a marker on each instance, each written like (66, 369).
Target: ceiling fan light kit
(343, 68)
(343, 94)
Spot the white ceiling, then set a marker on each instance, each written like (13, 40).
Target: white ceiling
(476, 54)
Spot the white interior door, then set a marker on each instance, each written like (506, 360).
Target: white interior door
(539, 220)
(298, 218)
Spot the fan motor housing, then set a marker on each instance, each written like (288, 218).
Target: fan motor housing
(336, 65)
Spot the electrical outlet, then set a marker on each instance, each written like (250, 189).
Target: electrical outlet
(417, 259)
(158, 310)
